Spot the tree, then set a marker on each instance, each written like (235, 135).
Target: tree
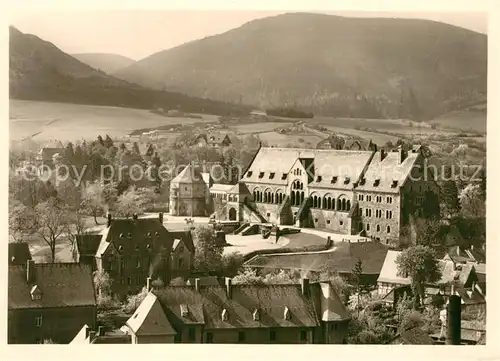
(52, 222)
(135, 148)
(21, 221)
(102, 282)
(93, 202)
(418, 263)
(178, 281)
(133, 201)
(449, 194)
(471, 201)
(208, 255)
(248, 276)
(100, 140)
(231, 264)
(357, 272)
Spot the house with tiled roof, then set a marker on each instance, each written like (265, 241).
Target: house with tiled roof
(459, 280)
(345, 191)
(19, 253)
(49, 301)
(85, 248)
(87, 336)
(213, 140)
(182, 254)
(244, 313)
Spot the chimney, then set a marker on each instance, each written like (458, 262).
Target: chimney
(135, 216)
(87, 332)
(197, 284)
(100, 331)
(229, 287)
(453, 321)
(91, 335)
(160, 217)
(148, 284)
(304, 285)
(382, 154)
(30, 271)
(110, 218)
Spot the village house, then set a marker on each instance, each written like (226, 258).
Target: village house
(345, 191)
(87, 336)
(460, 280)
(214, 140)
(241, 313)
(131, 250)
(19, 253)
(50, 301)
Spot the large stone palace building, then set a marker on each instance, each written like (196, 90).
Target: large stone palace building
(346, 191)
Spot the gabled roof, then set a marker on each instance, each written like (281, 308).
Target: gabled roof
(149, 319)
(214, 137)
(185, 237)
(217, 187)
(87, 244)
(327, 163)
(62, 285)
(388, 170)
(189, 175)
(19, 253)
(206, 306)
(131, 233)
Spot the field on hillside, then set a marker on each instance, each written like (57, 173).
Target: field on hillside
(259, 127)
(65, 121)
(282, 140)
(467, 120)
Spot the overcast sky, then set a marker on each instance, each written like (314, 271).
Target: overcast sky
(138, 34)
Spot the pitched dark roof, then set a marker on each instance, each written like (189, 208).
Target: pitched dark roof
(61, 284)
(213, 137)
(87, 244)
(207, 305)
(185, 237)
(19, 253)
(132, 233)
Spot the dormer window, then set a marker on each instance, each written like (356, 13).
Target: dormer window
(394, 183)
(224, 315)
(120, 248)
(184, 310)
(148, 246)
(255, 314)
(362, 181)
(36, 293)
(261, 174)
(122, 235)
(137, 248)
(287, 315)
(347, 180)
(334, 179)
(319, 178)
(271, 175)
(149, 234)
(249, 174)
(157, 234)
(376, 182)
(283, 177)
(129, 235)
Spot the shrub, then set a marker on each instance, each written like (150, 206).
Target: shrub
(133, 301)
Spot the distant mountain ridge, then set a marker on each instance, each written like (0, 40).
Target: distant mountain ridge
(361, 67)
(106, 62)
(41, 71)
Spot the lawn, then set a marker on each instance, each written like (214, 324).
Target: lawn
(70, 122)
(466, 120)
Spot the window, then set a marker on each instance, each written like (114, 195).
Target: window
(261, 174)
(303, 335)
(181, 263)
(138, 262)
(122, 264)
(333, 326)
(122, 281)
(283, 177)
(368, 212)
(360, 211)
(38, 321)
(271, 175)
(388, 214)
(315, 220)
(368, 198)
(334, 180)
(185, 188)
(241, 336)
(210, 337)
(378, 227)
(389, 199)
(327, 221)
(249, 174)
(129, 280)
(388, 229)
(272, 335)
(192, 334)
(360, 197)
(341, 223)
(368, 226)
(319, 178)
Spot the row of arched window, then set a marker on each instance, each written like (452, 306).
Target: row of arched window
(268, 196)
(329, 202)
(296, 198)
